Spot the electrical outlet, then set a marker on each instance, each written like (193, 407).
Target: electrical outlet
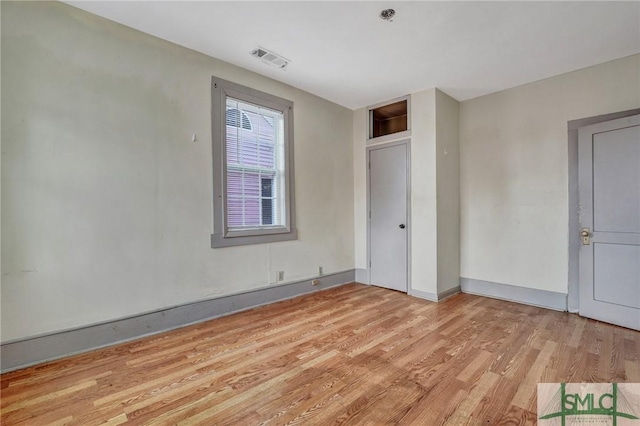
(315, 282)
(320, 270)
(280, 275)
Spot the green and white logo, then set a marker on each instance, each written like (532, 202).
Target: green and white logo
(563, 404)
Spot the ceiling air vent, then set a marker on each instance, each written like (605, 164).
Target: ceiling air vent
(270, 58)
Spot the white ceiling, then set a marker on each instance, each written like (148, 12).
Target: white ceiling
(343, 52)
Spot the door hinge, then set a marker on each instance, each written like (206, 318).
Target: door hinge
(369, 165)
(369, 264)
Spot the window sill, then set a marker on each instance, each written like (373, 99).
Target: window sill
(219, 240)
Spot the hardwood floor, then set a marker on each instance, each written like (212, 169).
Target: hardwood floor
(351, 355)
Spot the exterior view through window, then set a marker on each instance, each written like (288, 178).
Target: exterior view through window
(254, 159)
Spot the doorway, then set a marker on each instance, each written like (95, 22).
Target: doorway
(609, 215)
(388, 219)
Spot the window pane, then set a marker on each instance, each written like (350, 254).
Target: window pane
(251, 184)
(267, 202)
(234, 183)
(267, 211)
(235, 117)
(267, 135)
(234, 212)
(249, 151)
(232, 146)
(251, 212)
(267, 187)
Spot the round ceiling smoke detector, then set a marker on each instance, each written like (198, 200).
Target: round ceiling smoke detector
(387, 14)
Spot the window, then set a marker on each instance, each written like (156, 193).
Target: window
(253, 170)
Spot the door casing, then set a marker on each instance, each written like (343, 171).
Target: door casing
(608, 228)
(573, 299)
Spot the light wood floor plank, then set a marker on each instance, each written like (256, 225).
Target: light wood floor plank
(350, 355)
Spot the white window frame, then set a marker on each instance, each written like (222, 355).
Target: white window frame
(223, 236)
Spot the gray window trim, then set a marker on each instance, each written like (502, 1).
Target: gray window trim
(222, 236)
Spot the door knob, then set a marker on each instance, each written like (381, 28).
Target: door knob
(584, 233)
(586, 236)
(402, 226)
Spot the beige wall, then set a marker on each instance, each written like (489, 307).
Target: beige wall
(514, 172)
(107, 201)
(360, 188)
(448, 190)
(424, 217)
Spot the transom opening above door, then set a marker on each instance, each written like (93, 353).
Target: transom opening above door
(390, 120)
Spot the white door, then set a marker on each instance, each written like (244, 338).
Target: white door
(388, 227)
(609, 192)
